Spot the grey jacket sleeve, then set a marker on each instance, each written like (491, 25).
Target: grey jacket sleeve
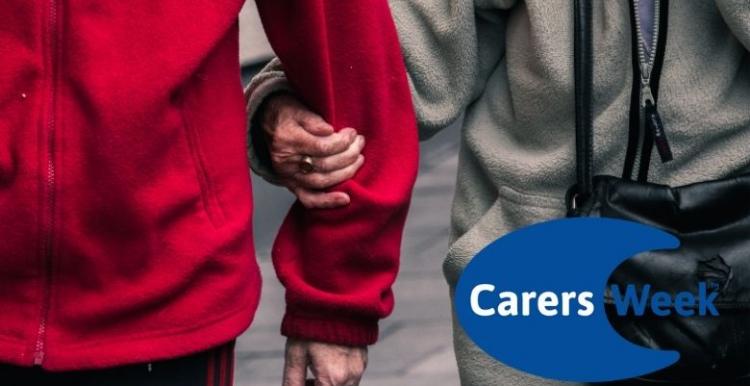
(736, 14)
(450, 48)
(271, 79)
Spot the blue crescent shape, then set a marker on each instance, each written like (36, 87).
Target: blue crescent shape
(562, 255)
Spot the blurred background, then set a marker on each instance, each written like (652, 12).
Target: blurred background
(415, 342)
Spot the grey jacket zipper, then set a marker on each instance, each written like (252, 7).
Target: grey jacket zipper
(651, 127)
(645, 59)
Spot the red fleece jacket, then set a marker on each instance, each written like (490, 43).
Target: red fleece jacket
(124, 187)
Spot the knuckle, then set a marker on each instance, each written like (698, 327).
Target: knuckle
(309, 118)
(326, 381)
(339, 144)
(307, 203)
(294, 175)
(324, 147)
(277, 147)
(284, 136)
(335, 377)
(308, 180)
(325, 165)
(278, 131)
(351, 158)
(286, 112)
(277, 158)
(341, 377)
(320, 182)
(288, 175)
(299, 111)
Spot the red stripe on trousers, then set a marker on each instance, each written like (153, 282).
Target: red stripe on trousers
(210, 370)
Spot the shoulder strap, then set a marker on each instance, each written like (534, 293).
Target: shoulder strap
(584, 78)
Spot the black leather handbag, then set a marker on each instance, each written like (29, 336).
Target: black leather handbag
(712, 221)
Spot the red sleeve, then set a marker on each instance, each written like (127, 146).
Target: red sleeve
(338, 265)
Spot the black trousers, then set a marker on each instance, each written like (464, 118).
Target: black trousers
(213, 367)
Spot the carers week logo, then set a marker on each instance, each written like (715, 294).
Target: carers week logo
(534, 300)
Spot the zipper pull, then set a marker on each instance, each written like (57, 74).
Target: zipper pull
(38, 358)
(646, 95)
(654, 123)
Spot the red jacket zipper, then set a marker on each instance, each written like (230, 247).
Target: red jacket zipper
(49, 219)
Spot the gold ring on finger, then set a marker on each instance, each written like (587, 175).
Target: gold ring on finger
(306, 165)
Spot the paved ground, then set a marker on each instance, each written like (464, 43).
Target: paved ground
(415, 348)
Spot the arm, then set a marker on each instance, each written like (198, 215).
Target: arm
(338, 265)
(449, 51)
(271, 80)
(288, 131)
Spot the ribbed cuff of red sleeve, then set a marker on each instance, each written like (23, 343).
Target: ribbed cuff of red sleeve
(345, 332)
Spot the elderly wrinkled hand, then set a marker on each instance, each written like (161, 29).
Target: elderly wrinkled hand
(330, 364)
(307, 154)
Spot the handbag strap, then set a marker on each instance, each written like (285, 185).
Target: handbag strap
(584, 78)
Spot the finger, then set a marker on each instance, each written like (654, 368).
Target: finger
(315, 124)
(357, 365)
(321, 200)
(315, 146)
(291, 143)
(295, 365)
(355, 376)
(294, 375)
(328, 372)
(289, 164)
(327, 180)
(341, 160)
(319, 378)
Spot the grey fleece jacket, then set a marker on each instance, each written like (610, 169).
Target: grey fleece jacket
(508, 66)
